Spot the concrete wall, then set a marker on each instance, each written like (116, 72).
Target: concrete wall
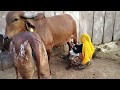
(102, 26)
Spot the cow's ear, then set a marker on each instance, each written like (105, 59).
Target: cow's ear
(30, 25)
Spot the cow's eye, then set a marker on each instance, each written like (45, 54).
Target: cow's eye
(16, 19)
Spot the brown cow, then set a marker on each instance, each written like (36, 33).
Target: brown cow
(54, 31)
(21, 48)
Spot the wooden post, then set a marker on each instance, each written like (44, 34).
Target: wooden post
(116, 35)
(49, 13)
(98, 27)
(108, 27)
(86, 22)
(58, 12)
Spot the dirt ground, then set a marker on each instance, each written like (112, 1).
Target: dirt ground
(105, 65)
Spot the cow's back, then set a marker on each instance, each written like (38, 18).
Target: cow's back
(56, 29)
(61, 23)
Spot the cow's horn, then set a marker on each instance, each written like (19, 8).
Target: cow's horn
(30, 14)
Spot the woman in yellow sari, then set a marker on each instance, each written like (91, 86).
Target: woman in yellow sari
(87, 49)
(84, 51)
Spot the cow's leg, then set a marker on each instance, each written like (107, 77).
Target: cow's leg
(75, 37)
(49, 52)
(75, 32)
(38, 69)
(36, 48)
(16, 70)
(27, 74)
(37, 53)
(75, 40)
(67, 56)
(69, 44)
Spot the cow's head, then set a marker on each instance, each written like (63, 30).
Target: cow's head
(19, 21)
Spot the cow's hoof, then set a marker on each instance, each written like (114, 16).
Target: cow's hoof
(68, 67)
(53, 73)
(82, 67)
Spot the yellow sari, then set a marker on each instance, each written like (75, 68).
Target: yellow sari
(87, 48)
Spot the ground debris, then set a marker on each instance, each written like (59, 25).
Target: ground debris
(108, 51)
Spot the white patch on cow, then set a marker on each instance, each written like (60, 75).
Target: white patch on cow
(22, 50)
(21, 54)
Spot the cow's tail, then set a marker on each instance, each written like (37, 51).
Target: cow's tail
(36, 57)
(41, 59)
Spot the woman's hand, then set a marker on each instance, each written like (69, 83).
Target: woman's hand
(72, 44)
(81, 56)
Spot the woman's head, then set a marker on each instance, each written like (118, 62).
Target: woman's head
(85, 37)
